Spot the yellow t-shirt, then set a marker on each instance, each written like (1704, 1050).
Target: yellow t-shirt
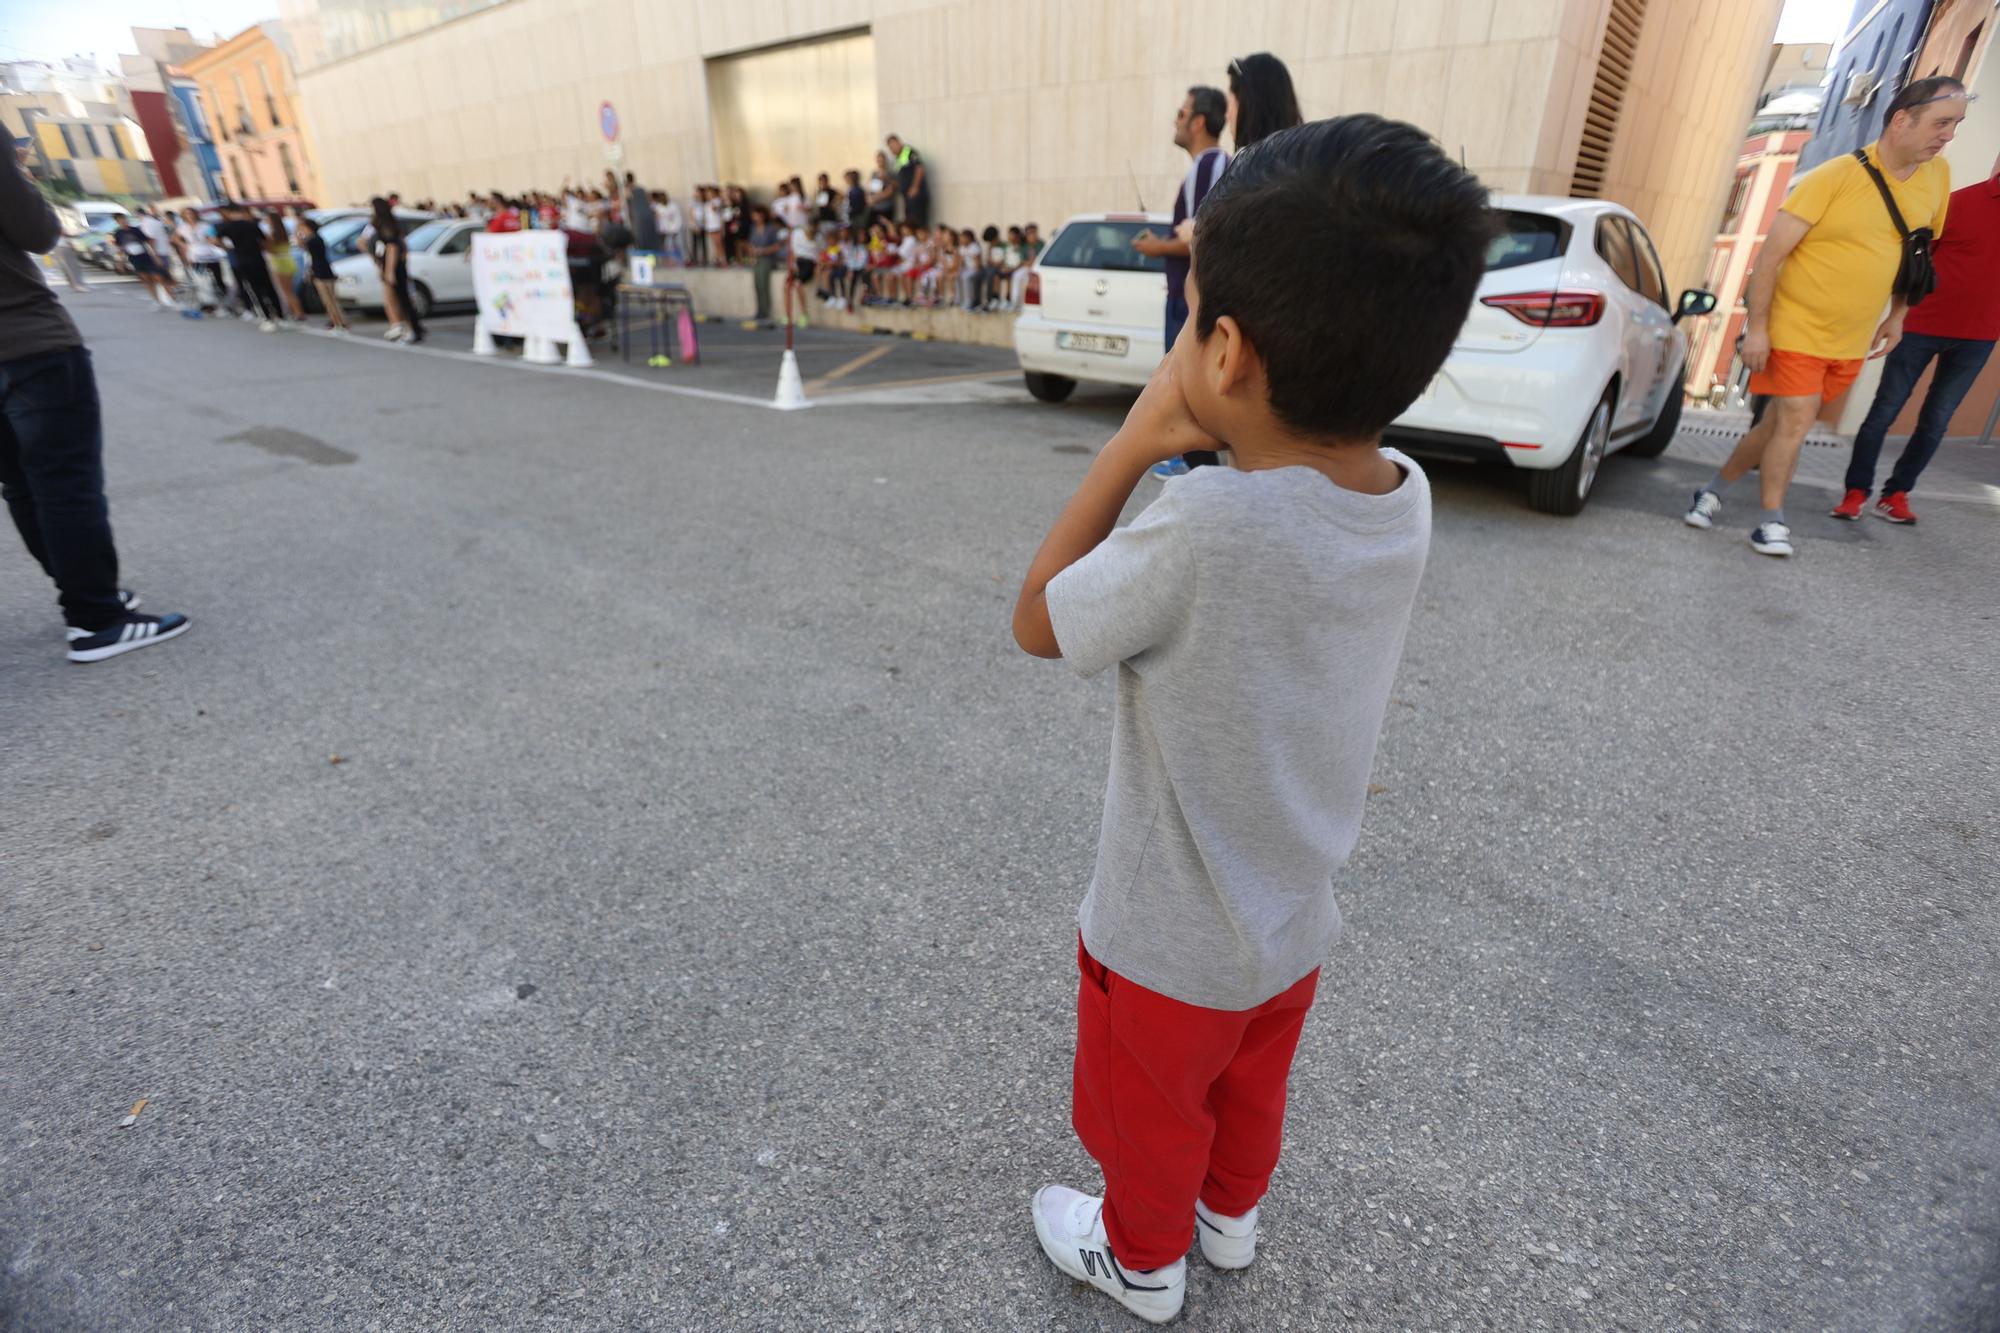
(1834, 285)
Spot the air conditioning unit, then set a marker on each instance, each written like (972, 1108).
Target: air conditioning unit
(1861, 86)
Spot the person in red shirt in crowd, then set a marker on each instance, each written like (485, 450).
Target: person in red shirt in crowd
(1957, 324)
(506, 215)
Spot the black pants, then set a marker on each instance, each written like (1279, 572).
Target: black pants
(255, 281)
(697, 247)
(399, 281)
(52, 475)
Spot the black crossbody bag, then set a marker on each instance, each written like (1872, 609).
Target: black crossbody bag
(1917, 277)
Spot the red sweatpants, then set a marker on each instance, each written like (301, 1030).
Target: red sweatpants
(1176, 1101)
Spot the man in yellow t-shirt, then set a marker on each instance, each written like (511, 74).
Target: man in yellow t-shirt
(1826, 271)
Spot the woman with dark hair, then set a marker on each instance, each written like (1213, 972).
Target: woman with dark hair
(392, 262)
(1261, 100)
(766, 241)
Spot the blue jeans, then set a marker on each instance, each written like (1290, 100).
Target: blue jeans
(1959, 361)
(1176, 316)
(52, 477)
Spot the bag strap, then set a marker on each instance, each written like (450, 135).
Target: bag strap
(1895, 213)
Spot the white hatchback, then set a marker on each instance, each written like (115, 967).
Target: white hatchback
(1570, 352)
(440, 265)
(1095, 308)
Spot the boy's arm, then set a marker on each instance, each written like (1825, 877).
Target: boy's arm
(1157, 428)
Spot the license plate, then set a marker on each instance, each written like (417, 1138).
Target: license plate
(1104, 343)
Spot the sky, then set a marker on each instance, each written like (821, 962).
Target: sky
(52, 29)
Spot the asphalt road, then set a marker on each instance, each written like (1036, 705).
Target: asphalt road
(599, 861)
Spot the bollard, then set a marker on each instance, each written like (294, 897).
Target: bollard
(579, 350)
(791, 395)
(482, 340)
(539, 351)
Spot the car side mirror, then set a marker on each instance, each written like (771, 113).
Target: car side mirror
(1694, 301)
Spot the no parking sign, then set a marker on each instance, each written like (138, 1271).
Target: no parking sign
(607, 125)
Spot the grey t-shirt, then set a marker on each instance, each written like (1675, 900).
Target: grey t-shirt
(1256, 619)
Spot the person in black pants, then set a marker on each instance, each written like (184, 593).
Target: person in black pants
(245, 241)
(52, 439)
(392, 261)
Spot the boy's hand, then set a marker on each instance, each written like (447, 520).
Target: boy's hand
(1160, 425)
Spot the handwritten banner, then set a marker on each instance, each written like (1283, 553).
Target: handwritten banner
(521, 281)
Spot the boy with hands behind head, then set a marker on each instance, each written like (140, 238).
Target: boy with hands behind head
(1255, 615)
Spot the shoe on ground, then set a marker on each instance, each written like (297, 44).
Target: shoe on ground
(1070, 1225)
(267, 326)
(1771, 539)
(1701, 513)
(394, 332)
(1851, 505)
(1894, 506)
(134, 631)
(1226, 1242)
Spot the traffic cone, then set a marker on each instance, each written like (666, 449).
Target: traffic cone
(482, 340)
(539, 351)
(579, 350)
(791, 395)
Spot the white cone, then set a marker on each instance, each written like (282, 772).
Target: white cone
(482, 340)
(579, 350)
(540, 352)
(791, 395)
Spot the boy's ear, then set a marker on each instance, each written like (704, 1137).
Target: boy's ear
(1233, 362)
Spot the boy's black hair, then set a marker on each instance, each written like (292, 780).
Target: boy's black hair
(1348, 252)
(1211, 106)
(1915, 95)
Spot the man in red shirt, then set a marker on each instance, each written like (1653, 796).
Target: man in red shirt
(1957, 324)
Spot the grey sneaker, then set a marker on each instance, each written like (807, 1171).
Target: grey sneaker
(1771, 539)
(1701, 514)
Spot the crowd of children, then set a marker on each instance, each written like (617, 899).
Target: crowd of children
(897, 264)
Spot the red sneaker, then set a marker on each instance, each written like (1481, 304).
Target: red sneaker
(1895, 506)
(1851, 505)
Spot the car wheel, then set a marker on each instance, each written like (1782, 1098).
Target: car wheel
(1655, 441)
(1563, 490)
(1048, 388)
(420, 299)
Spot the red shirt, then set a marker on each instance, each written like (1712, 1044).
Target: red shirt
(1966, 303)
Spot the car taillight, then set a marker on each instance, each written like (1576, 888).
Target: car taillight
(1551, 310)
(1033, 296)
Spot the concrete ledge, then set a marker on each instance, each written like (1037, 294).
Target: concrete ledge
(727, 293)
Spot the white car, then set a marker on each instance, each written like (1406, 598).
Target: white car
(440, 263)
(1570, 352)
(1095, 308)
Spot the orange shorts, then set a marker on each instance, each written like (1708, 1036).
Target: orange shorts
(1796, 374)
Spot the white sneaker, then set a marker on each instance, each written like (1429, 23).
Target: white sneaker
(1701, 514)
(1070, 1226)
(395, 332)
(1226, 1242)
(1771, 539)
(267, 326)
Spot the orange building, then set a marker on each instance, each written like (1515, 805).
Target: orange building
(246, 89)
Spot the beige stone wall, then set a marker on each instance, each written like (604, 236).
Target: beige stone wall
(1695, 81)
(1036, 109)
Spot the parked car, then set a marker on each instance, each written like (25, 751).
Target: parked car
(440, 266)
(344, 230)
(1570, 352)
(1094, 308)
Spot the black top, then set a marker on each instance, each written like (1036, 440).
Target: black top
(906, 174)
(316, 260)
(246, 242)
(32, 320)
(857, 205)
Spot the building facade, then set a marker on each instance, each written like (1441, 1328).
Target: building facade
(148, 79)
(1764, 174)
(1034, 109)
(1873, 62)
(249, 99)
(83, 136)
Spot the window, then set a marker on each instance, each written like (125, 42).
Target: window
(1739, 195)
(242, 105)
(221, 121)
(460, 242)
(291, 172)
(1615, 244)
(1526, 238)
(270, 101)
(1101, 245)
(90, 140)
(117, 142)
(1652, 278)
(236, 170)
(69, 142)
